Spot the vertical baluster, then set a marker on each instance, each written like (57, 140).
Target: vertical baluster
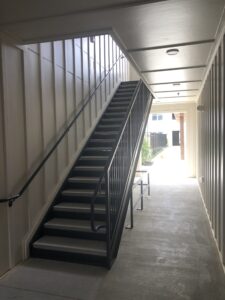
(108, 217)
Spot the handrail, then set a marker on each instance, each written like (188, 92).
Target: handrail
(13, 198)
(110, 160)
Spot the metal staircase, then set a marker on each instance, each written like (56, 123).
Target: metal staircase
(86, 218)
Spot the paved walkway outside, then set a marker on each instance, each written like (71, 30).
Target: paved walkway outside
(169, 255)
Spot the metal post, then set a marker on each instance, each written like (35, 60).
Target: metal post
(142, 196)
(148, 184)
(131, 212)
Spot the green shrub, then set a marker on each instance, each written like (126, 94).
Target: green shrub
(145, 151)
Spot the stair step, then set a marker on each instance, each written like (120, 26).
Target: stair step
(122, 97)
(78, 207)
(89, 168)
(74, 225)
(103, 142)
(93, 160)
(108, 127)
(97, 150)
(102, 134)
(120, 110)
(114, 114)
(71, 245)
(130, 82)
(81, 193)
(107, 140)
(119, 104)
(93, 157)
(111, 120)
(84, 179)
(123, 93)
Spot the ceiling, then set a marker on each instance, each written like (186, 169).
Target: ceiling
(145, 29)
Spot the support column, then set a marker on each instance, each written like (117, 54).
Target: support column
(181, 136)
(4, 238)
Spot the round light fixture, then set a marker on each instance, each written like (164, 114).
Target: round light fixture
(173, 51)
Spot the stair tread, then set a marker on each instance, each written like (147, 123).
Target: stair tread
(115, 113)
(84, 179)
(80, 192)
(99, 147)
(94, 157)
(111, 119)
(78, 207)
(102, 140)
(116, 102)
(97, 168)
(110, 125)
(72, 224)
(105, 132)
(71, 245)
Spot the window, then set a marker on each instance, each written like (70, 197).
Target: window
(157, 117)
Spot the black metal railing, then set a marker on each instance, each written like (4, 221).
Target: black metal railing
(120, 163)
(87, 100)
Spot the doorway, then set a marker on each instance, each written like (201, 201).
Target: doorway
(176, 137)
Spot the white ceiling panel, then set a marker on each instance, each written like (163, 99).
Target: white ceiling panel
(17, 11)
(157, 25)
(173, 22)
(159, 59)
(175, 76)
(174, 100)
(177, 94)
(175, 87)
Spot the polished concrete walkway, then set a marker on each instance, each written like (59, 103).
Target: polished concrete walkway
(169, 255)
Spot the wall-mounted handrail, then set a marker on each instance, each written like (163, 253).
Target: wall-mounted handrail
(13, 198)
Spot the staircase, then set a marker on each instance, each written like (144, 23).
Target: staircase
(76, 227)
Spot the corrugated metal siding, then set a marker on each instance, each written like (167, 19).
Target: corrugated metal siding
(43, 86)
(211, 141)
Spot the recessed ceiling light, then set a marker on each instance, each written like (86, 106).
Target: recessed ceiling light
(173, 51)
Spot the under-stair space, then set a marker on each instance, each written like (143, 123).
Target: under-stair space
(66, 232)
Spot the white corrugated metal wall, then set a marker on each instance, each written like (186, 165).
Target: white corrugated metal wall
(42, 87)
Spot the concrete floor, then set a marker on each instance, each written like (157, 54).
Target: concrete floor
(169, 255)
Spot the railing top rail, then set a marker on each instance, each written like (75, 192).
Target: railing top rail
(125, 123)
(11, 199)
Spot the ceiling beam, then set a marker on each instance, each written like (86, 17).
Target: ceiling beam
(111, 6)
(177, 97)
(174, 82)
(171, 46)
(174, 69)
(175, 91)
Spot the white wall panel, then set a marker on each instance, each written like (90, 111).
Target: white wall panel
(15, 145)
(44, 85)
(14, 116)
(60, 117)
(4, 238)
(48, 117)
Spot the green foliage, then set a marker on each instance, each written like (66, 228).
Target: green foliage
(145, 151)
